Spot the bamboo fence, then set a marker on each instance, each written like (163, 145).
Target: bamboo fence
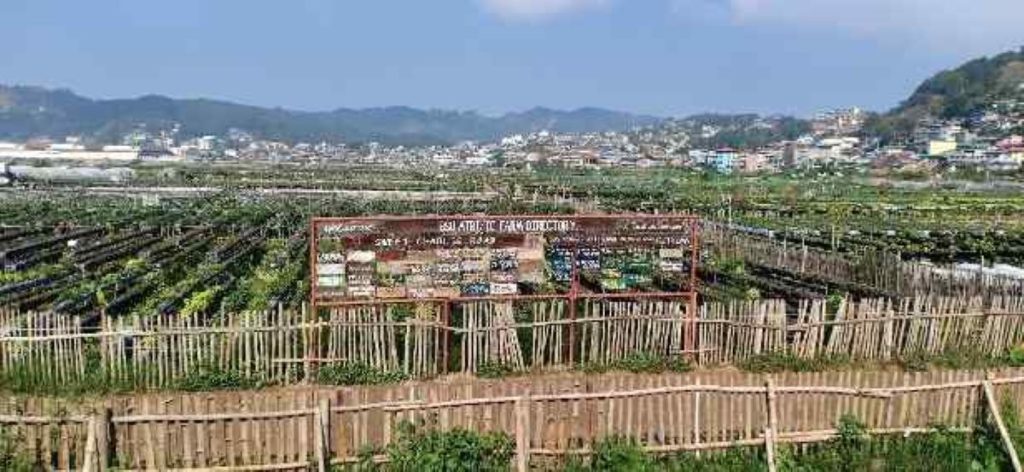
(548, 417)
(44, 351)
(871, 271)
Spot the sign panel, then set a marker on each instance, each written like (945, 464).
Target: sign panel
(466, 257)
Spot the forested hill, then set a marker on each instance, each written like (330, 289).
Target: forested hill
(27, 112)
(957, 93)
(970, 87)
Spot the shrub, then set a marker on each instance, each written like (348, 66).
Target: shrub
(419, 448)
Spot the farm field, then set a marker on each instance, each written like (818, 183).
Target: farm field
(231, 251)
(202, 281)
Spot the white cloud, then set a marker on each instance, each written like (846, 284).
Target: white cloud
(963, 25)
(533, 10)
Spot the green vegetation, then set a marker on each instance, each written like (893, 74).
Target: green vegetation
(417, 447)
(968, 88)
(12, 456)
(493, 370)
(915, 362)
(214, 378)
(785, 362)
(642, 363)
(618, 454)
(357, 374)
(420, 447)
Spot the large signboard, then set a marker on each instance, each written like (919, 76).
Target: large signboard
(462, 257)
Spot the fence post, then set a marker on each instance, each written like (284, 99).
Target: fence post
(446, 336)
(993, 407)
(771, 429)
(696, 419)
(523, 433)
(91, 461)
(309, 317)
(323, 433)
(103, 443)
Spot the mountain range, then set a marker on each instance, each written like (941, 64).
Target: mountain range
(30, 112)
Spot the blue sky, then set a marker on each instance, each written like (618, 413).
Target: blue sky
(666, 57)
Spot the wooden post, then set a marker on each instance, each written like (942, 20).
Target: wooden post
(103, 443)
(323, 437)
(307, 334)
(690, 325)
(771, 429)
(993, 406)
(446, 337)
(91, 463)
(574, 285)
(104, 362)
(523, 433)
(803, 254)
(696, 420)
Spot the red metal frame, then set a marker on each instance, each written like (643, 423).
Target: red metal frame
(687, 289)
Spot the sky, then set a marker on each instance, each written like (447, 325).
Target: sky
(661, 57)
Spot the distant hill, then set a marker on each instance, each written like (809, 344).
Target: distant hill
(27, 112)
(956, 93)
(743, 131)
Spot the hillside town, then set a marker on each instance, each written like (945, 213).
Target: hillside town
(989, 140)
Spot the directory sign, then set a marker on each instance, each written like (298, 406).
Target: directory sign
(483, 256)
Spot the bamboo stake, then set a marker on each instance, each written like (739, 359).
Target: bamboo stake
(522, 409)
(772, 428)
(993, 408)
(323, 417)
